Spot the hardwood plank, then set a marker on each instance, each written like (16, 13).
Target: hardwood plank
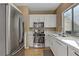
(35, 52)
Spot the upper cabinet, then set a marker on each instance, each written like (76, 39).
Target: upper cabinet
(48, 19)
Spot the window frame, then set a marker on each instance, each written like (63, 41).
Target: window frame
(74, 16)
(71, 7)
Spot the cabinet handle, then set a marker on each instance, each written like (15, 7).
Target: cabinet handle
(76, 54)
(59, 43)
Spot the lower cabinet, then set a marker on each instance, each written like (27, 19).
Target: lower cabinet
(72, 51)
(51, 43)
(58, 48)
(61, 48)
(30, 41)
(47, 41)
(55, 48)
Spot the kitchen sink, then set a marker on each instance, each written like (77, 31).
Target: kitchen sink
(62, 35)
(59, 35)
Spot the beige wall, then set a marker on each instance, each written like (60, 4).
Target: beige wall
(25, 12)
(59, 11)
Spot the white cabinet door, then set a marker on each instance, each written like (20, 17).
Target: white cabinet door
(47, 41)
(42, 18)
(72, 51)
(35, 18)
(30, 39)
(58, 47)
(55, 48)
(49, 20)
(61, 49)
(30, 21)
(52, 21)
(46, 20)
(31, 18)
(52, 43)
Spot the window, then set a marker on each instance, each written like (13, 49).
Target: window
(68, 20)
(76, 19)
(71, 20)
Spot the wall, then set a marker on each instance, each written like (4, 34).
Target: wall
(59, 12)
(25, 12)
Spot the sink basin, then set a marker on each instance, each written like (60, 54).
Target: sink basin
(62, 35)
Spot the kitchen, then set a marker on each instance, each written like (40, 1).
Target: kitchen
(51, 26)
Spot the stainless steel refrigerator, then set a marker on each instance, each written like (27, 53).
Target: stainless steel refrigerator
(11, 29)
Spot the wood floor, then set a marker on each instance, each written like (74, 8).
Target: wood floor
(35, 52)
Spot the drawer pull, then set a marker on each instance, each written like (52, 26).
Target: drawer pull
(59, 43)
(76, 54)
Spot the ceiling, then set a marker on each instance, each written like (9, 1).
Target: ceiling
(40, 7)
